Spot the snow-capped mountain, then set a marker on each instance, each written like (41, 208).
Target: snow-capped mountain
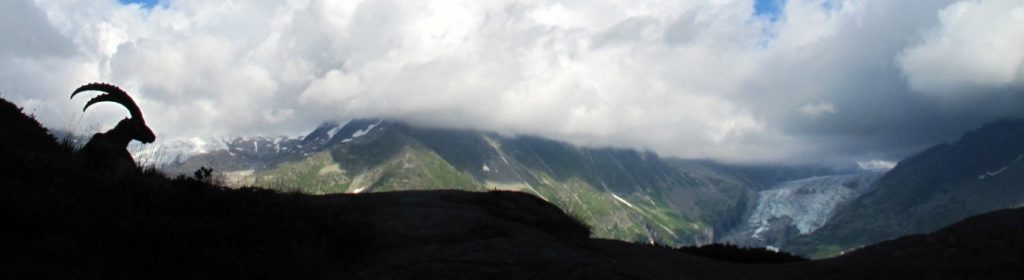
(172, 154)
(174, 150)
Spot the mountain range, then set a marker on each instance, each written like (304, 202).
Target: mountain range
(632, 195)
(63, 220)
(624, 194)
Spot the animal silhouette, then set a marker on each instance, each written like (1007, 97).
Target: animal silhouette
(108, 151)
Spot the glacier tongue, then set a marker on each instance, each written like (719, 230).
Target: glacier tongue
(805, 204)
(809, 202)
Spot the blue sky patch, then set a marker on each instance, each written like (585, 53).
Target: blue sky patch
(144, 3)
(770, 9)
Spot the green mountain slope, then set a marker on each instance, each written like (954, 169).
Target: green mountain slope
(622, 194)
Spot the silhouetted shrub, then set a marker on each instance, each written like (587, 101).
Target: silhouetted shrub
(733, 253)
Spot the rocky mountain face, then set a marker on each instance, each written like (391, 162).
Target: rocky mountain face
(982, 171)
(624, 194)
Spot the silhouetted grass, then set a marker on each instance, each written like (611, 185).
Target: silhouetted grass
(60, 220)
(733, 253)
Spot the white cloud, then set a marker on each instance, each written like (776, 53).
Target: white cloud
(682, 78)
(818, 109)
(332, 90)
(978, 44)
(876, 164)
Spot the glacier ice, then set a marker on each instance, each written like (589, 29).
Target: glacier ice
(808, 202)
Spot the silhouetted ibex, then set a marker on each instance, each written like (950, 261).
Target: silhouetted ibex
(108, 151)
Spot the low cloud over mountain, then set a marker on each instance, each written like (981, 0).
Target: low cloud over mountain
(805, 81)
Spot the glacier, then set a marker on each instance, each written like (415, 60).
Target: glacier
(802, 205)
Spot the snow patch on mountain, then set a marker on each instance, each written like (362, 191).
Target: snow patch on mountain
(625, 202)
(361, 132)
(1000, 170)
(334, 130)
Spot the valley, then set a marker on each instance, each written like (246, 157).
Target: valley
(631, 195)
(623, 194)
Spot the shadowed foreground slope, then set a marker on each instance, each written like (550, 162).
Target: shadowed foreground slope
(61, 221)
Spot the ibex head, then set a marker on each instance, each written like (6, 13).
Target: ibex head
(134, 127)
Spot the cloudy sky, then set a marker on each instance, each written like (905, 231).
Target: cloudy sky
(732, 80)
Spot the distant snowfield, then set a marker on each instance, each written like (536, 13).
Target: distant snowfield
(175, 150)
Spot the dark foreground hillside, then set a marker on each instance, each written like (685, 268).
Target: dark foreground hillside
(59, 220)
